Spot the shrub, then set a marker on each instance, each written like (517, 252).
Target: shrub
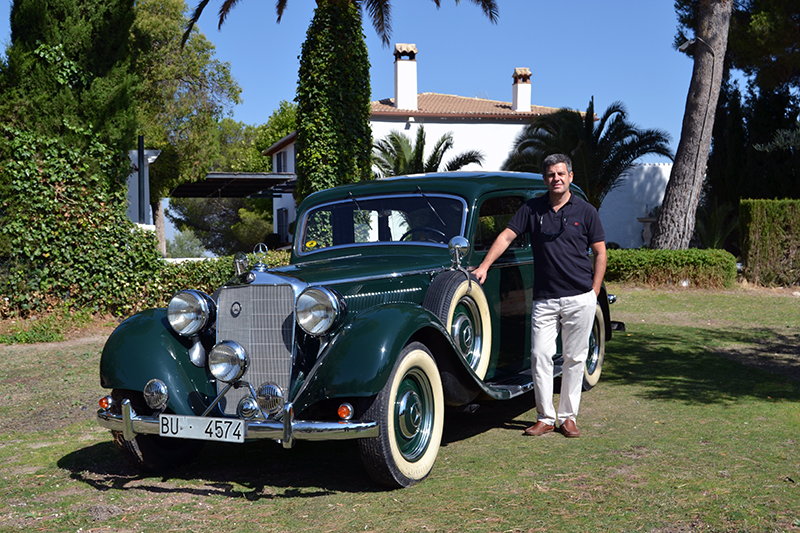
(702, 268)
(770, 232)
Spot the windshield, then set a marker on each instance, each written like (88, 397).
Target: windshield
(427, 218)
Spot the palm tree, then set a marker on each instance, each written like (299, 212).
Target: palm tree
(395, 155)
(334, 138)
(601, 153)
(379, 12)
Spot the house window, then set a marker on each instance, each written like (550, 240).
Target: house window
(280, 162)
(283, 224)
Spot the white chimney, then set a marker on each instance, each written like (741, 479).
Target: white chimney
(405, 76)
(522, 90)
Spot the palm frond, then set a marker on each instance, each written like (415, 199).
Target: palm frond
(198, 10)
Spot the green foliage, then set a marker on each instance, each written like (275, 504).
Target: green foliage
(49, 328)
(715, 223)
(395, 155)
(702, 268)
(333, 134)
(68, 68)
(786, 139)
(601, 151)
(184, 94)
(185, 244)
(66, 225)
(771, 241)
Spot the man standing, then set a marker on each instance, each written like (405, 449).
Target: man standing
(562, 228)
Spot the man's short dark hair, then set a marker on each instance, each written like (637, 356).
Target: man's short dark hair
(555, 159)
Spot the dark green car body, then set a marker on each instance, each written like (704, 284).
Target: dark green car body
(384, 250)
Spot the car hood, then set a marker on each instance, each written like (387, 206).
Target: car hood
(365, 264)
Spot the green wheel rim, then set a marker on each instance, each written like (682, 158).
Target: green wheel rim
(413, 414)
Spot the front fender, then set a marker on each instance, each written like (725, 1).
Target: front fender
(144, 347)
(361, 355)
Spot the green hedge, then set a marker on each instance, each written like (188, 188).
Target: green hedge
(702, 268)
(770, 232)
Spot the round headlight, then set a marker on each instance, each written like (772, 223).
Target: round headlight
(317, 310)
(227, 361)
(189, 312)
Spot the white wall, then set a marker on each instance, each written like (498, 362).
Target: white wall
(642, 190)
(492, 138)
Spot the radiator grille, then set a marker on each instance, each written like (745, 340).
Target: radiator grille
(261, 319)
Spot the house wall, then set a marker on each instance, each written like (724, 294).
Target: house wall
(494, 139)
(641, 191)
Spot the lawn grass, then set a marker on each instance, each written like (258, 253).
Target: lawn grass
(694, 426)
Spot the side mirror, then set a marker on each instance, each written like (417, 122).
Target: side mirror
(459, 247)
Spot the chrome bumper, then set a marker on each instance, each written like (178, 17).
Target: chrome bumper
(285, 431)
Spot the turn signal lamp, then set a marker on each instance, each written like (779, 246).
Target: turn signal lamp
(105, 402)
(345, 411)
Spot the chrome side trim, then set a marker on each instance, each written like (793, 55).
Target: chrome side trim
(287, 431)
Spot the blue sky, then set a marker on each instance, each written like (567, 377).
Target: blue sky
(614, 50)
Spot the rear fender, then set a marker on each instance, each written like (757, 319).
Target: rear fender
(144, 347)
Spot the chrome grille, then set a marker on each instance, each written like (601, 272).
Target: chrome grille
(261, 319)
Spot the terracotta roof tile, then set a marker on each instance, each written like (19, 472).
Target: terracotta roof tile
(446, 105)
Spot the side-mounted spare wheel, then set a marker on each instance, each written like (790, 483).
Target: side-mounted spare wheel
(597, 350)
(410, 412)
(152, 453)
(461, 305)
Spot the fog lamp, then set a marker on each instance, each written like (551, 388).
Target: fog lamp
(247, 408)
(156, 395)
(227, 361)
(270, 398)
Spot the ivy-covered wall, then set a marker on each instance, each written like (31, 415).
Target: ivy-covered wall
(67, 239)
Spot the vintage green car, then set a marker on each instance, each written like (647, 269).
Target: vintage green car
(374, 327)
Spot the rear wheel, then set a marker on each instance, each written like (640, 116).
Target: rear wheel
(152, 453)
(410, 413)
(597, 350)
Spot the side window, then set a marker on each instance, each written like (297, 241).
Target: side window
(493, 217)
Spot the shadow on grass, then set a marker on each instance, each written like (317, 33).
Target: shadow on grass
(253, 470)
(704, 366)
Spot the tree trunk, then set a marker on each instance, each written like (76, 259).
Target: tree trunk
(158, 221)
(676, 221)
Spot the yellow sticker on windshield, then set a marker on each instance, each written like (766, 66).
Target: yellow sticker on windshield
(311, 244)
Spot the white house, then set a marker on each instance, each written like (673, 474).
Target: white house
(478, 124)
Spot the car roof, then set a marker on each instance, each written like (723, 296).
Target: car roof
(469, 185)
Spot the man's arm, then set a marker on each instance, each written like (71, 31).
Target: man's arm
(499, 246)
(600, 262)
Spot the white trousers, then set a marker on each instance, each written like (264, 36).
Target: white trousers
(574, 317)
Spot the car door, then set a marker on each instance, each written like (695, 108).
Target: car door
(508, 285)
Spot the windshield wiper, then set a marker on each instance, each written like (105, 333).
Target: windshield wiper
(350, 195)
(431, 206)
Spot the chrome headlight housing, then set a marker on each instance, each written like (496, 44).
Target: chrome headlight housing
(189, 312)
(318, 310)
(227, 361)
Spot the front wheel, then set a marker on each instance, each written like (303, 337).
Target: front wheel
(597, 350)
(152, 453)
(410, 413)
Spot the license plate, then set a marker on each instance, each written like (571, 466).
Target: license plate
(195, 427)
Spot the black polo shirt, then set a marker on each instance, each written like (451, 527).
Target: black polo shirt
(560, 242)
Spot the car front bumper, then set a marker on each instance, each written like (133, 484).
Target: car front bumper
(287, 430)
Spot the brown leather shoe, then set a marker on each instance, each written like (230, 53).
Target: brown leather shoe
(569, 429)
(538, 429)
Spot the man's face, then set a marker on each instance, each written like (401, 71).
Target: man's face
(557, 178)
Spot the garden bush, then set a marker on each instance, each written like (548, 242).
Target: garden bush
(770, 232)
(701, 268)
